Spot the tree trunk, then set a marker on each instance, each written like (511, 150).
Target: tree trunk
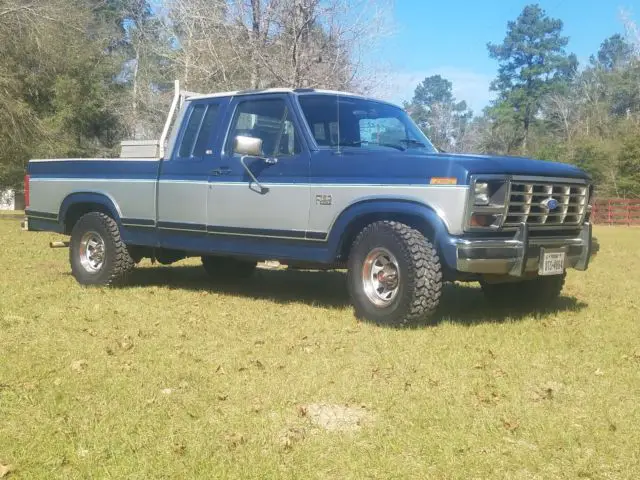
(134, 103)
(527, 122)
(255, 41)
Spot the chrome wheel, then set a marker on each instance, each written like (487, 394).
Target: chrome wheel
(381, 277)
(92, 252)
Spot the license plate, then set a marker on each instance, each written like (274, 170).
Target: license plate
(551, 263)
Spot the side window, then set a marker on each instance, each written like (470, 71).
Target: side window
(268, 120)
(198, 131)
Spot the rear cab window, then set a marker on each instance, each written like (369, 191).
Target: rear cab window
(198, 131)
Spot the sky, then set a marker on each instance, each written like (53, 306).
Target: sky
(449, 37)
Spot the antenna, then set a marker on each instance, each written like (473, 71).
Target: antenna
(338, 120)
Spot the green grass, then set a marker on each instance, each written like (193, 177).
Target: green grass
(11, 213)
(485, 393)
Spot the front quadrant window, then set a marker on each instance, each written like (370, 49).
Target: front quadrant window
(268, 120)
(343, 121)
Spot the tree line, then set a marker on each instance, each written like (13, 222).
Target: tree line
(547, 106)
(78, 76)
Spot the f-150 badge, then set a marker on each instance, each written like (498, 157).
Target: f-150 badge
(323, 199)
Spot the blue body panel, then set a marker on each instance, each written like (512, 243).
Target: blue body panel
(104, 169)
(351, 165)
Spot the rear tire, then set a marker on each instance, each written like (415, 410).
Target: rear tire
(97, 254)
(539, 292)
(226, 268)
(394, 274)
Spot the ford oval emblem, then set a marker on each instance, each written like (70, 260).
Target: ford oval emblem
(549, 203)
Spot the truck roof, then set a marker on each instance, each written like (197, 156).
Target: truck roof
(297, 91)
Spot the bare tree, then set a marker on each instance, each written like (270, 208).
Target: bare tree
(632, 31)
(265, 43)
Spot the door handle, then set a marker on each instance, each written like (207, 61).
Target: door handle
(220, 171)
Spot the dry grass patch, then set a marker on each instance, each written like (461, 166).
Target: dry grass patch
(173, 377)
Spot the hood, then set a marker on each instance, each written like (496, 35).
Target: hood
(488, 164)
(365, 165)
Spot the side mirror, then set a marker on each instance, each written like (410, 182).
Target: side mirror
(249, 146)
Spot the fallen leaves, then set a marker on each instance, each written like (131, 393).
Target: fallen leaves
(79, 365)
(5, 470)
(126, 343)
(234, 439)
(548, 391)
(291, 436)
(511, 425)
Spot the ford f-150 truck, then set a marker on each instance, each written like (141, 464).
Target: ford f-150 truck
(319, 180)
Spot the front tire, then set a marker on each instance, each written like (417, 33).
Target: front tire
(394, 274)
(97, 254)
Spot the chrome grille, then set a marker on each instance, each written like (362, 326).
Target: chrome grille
(528, 199)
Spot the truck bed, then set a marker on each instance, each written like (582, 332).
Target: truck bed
(132, 181)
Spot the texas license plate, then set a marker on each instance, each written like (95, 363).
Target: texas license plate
(551, 263)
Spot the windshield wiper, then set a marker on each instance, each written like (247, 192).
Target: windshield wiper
(412, 142)
(357, 143)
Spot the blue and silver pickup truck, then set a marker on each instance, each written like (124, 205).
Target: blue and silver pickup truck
(319, 180)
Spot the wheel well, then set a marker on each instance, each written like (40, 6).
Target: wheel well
(356, 226)
(78, 210)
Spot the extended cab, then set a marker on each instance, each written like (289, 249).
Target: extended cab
(318, 179)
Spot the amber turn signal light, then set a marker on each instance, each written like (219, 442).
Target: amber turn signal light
(443, 181)
(482, 220)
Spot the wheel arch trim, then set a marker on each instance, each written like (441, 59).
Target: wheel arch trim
(89, 198)
(352, 218)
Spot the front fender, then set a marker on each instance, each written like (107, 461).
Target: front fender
(89, 198)
(354, 218)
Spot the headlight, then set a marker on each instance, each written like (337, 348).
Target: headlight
(481, 193)
(486, 206)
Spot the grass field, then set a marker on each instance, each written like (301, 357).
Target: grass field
(171, 377)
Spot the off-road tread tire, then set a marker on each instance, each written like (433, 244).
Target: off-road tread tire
(420, 267)
(538, 292)
(227, 268)
(117, 264)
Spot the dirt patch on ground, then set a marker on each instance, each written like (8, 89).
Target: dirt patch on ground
(338, 418)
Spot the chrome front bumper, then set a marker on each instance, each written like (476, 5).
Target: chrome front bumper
(520, 254)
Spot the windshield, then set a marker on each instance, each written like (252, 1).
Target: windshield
(337, 121)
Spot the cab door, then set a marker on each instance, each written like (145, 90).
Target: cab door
(277, 206)
(183, 180)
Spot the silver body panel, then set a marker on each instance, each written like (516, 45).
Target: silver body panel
(182, 201)
(447, 201)
(132, 198)
(285, 206)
